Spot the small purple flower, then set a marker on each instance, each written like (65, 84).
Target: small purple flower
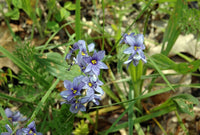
(72, 49)
(14, 116)
(94, 63)
(31, 129)
(8, 129)
(83, 49)
(91, 96)
(18, 132)
(93, 83)
(136, 44)
(76, 105)
(124, 38)
(135, 59)
(73, 88)
(82, 64)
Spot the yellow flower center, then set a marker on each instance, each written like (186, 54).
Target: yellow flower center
(74, 91)
(136, 47)
(90, 84)
(94, 62)
(82, 53)
(76, 107)
(30, 132)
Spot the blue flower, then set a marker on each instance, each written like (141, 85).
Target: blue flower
(76, 105)
(14, 116)
(72, 49)
(135, 59)
(136, 44)
(18, 132)
(31, 129)
(93, 83)
(91, 96)
(124, 38)
(82, 64)
(94, 62)
(136, 48)
(73, 88)
(83, 49)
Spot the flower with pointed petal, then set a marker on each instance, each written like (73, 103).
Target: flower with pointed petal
(135, 59)
(83, 49)
(82, 64)
(124, 38)
(94, 62)
(136, 44)
(73, 88)
(91, 96)
(18, 132)
(76, 105)
(14, 116)
(93, 83)
(31, 129)
(72, 49)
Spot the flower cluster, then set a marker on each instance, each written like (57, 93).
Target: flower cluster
(16, 117)
(136, 48)
(84, 88)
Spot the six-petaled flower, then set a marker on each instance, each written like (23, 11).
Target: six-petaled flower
(72, 88)
(136, 48)
(31, 129)
(94, 62)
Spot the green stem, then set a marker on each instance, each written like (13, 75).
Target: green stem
(181, 123)
(14, 99)
(97, 117)
(78, 21)
(130, 112)
(136, 73)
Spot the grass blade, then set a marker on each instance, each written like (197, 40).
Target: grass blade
(42, 102)
(160, 72)
(78, 21)
(172, 31)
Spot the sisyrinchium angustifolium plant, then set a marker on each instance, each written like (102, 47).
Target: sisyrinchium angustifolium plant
(38, 97)
(87, 87)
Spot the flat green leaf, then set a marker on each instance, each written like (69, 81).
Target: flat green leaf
(57, 66)
(162, 61)
(58, 17)
(185, 102)
(184, 68)
(13, 14)
(160, 72)
(64, 13)
(26, 6)
(67, 4)
(71, 7)
(17, 3)
(52, 25)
